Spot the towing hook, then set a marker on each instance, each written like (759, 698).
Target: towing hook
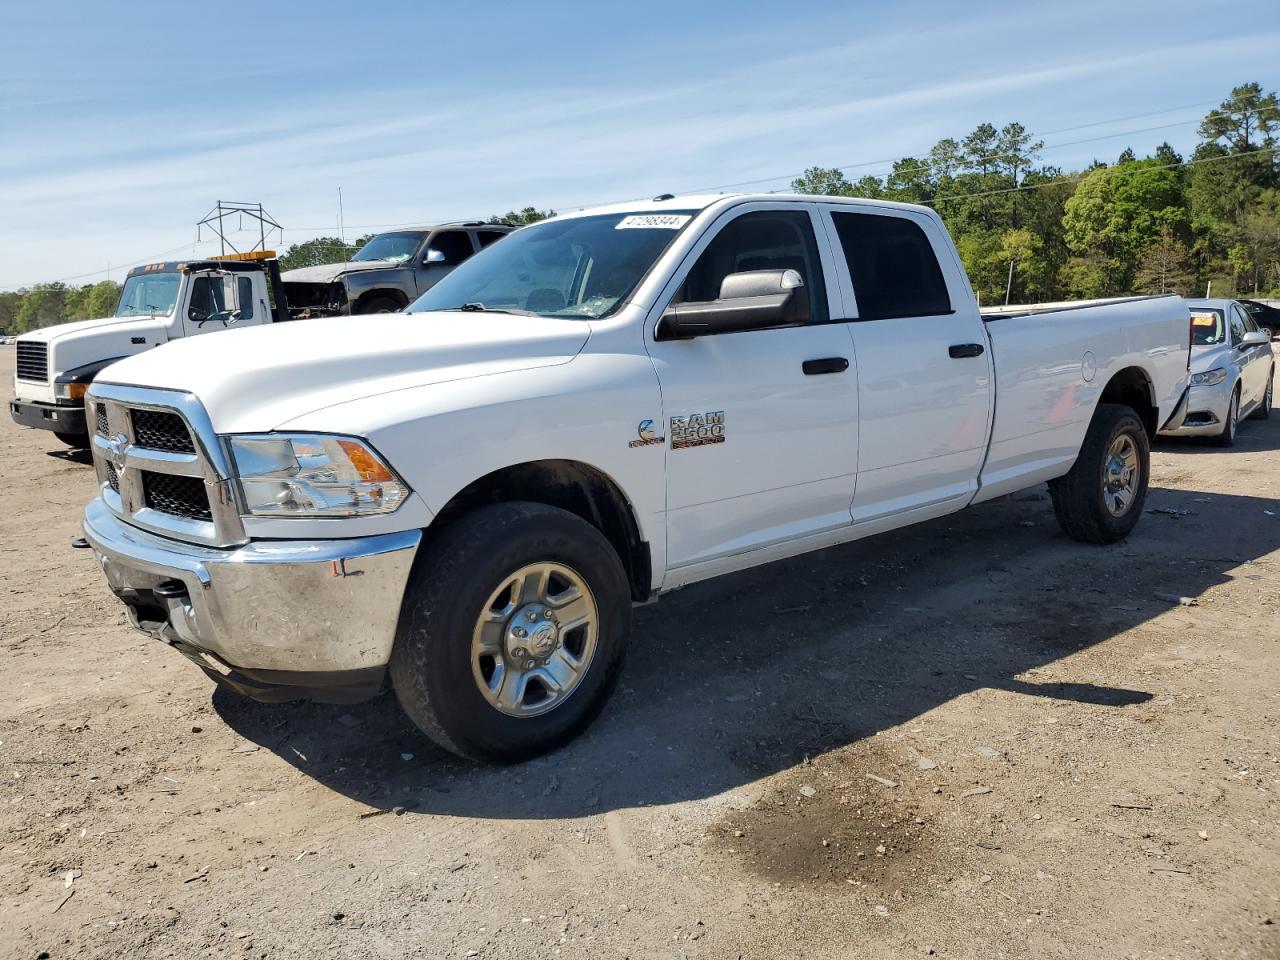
(79, 543)
(169, 590)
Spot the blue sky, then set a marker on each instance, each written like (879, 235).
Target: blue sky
(121, 124)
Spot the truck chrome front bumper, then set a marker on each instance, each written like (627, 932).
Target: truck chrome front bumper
(274, 620)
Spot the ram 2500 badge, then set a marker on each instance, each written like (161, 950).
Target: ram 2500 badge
(606, 406)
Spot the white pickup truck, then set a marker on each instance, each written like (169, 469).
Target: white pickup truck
(159, 302)
(604, 407)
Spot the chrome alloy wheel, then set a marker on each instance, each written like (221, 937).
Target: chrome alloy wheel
(534, 640)
(1121, 475)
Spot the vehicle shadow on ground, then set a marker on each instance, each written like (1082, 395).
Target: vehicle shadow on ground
(735, 679)
(80, 455)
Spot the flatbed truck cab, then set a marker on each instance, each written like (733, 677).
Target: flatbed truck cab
(158, 303)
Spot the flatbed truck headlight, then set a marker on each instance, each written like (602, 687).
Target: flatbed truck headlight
(1210, 378)
(313, 475)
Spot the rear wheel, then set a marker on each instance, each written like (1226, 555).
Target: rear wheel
(1101, 499)
(1227, 438)
(512, 633)
(1263, 411)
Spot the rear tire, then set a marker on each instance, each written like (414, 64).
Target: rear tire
(1101, 499)
(76, 440)
(457, 590)
(1227, 438)
(1263, 412)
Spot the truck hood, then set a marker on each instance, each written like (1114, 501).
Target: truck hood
(114, 326)
(328, 272)
(258, 378)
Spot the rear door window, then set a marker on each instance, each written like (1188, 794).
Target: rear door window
(894, 270)
(487, 237)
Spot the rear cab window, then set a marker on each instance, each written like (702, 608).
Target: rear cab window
(893, 267)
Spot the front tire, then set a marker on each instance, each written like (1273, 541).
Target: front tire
(379, 305)
(512, 633)
(1101, 499)
(1227, 438)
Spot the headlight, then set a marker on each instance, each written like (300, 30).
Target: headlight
(1209, 378)
(314, 475)
(70, 391)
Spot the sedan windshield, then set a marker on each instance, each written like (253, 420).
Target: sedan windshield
(148, 295)
(1207, 329)
(580, 267)
(391, 246)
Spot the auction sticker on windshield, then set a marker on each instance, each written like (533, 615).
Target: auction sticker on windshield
(1204, 319)
(653, 221)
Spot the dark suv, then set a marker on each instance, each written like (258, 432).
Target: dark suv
(389, 272)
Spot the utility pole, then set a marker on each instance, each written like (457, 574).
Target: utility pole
(1008, 288)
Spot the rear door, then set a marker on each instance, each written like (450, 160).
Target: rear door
(924, 368)
(760, 425)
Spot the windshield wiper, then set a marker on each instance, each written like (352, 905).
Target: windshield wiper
(476, 307)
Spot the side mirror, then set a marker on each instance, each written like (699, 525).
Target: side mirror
(753, 300)
(1254, 338)
(434, 256)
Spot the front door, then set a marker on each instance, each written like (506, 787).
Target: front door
(759, 451)
(212, 304)
(924, 368)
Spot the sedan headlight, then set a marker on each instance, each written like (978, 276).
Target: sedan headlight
(1209, 378)
(314, 475)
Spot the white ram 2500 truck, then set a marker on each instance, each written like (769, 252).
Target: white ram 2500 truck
(604, 407)
(158, 303)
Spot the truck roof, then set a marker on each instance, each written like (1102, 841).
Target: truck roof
(700, 201)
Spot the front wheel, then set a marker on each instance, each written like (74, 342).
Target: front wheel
(512, 632)
(1227, 438)
(1101, 499)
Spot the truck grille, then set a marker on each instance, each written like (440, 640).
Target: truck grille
(180, 496)
(158, 430)
(33, 360)
(161, 466)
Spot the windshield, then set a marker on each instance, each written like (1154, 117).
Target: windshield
(1206, 327)
(148, 294)
(391, 246)
(579, 267)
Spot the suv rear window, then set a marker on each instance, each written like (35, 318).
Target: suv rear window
(894, 270)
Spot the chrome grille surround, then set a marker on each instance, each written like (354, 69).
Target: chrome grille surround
(123, 451)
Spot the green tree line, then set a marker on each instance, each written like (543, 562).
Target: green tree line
(1154, 224)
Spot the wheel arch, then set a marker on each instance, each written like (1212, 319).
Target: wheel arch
(571, 485)
(1133, 387)
(380, 293)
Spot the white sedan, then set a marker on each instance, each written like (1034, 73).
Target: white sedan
(1232, 369)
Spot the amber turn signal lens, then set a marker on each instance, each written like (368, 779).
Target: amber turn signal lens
(367, 465)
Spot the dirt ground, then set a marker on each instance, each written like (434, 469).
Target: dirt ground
(972, 738)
